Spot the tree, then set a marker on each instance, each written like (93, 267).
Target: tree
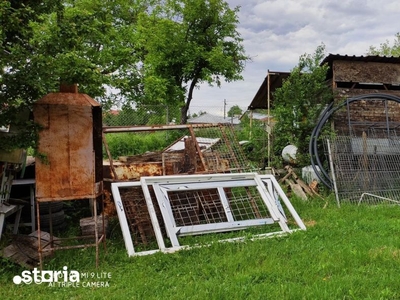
(385, 49)
(234, 111)
(18, 86)
(145, 52)
(298, 103)
(89, 42)
(185, 43)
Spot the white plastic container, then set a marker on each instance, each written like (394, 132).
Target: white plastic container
(289, 153)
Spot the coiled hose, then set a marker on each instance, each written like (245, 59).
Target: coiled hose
(325, 115)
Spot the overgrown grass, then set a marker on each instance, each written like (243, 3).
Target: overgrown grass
(346, 253)
(121, 144)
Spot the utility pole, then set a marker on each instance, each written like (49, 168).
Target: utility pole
(224, 108)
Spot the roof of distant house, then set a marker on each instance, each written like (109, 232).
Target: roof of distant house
(213, 119)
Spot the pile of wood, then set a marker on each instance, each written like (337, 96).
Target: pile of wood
(24, 249)
(298, 186)
(88, 225)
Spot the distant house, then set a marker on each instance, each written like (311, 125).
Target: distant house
(213, 119)
(114, 112)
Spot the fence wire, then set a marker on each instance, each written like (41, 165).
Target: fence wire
(366, 168)
(252, 133)
(173, 150)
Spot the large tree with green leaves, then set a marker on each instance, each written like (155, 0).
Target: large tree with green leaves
(89, 42)
(386, 49)
(185, 43)
(299, 102)
(18, 76)
(143, 52)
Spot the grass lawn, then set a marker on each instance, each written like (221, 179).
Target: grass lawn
(346, 253)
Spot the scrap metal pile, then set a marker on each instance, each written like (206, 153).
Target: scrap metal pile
(199, 149)
(201, 183)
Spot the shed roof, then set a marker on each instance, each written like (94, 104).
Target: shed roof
(275, 80)
(369, 58)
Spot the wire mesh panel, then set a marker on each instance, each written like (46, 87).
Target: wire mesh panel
(135, 220)
(246, 203)
(173, 149)
(200, 204)
(196, 207)
(366, 168)
(137, 215)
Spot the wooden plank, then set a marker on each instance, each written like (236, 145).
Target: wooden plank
(24, 249)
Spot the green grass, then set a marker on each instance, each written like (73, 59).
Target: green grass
(346, 253)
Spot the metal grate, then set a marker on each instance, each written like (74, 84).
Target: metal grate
(196, 207)
(366, 168)
(137, 215)
(186, 149)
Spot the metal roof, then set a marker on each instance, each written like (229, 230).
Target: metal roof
(209, 119)
(71, 99)
(204, 143)
(260, 100)
(369, 58)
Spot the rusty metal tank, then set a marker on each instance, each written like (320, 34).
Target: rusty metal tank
(69, 164)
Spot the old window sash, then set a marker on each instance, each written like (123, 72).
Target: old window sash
(267, 187)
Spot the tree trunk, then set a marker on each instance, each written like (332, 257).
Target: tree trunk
(185, 108)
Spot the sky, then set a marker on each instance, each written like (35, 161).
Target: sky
(276, 33)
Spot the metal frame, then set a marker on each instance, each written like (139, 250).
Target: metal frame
(266, 185)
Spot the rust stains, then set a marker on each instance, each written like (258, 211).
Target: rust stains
(66, 169)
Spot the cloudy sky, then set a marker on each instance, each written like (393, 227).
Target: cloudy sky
(277, 32)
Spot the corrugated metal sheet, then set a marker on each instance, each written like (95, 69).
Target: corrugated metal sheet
(369, 58)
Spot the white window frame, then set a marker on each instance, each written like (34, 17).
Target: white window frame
(266, 185)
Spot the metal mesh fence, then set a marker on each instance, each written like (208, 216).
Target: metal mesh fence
(366, 168)
(173, 149)
(152, 115)
(142, 115)
(252, 133)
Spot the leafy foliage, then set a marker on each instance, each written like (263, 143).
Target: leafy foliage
(298, 104)
(121, 144)
(385, 49)
(234, 111)
(142, 52)
(255, 133)
(45, 44)
(185, 43)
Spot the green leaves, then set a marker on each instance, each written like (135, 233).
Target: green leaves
(89, 42)
(142, 52)
(187, 42)
(385, 49)
(299, 102)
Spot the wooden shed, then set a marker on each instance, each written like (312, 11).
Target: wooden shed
(352, 76)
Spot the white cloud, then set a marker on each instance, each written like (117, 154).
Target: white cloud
(277, 32)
